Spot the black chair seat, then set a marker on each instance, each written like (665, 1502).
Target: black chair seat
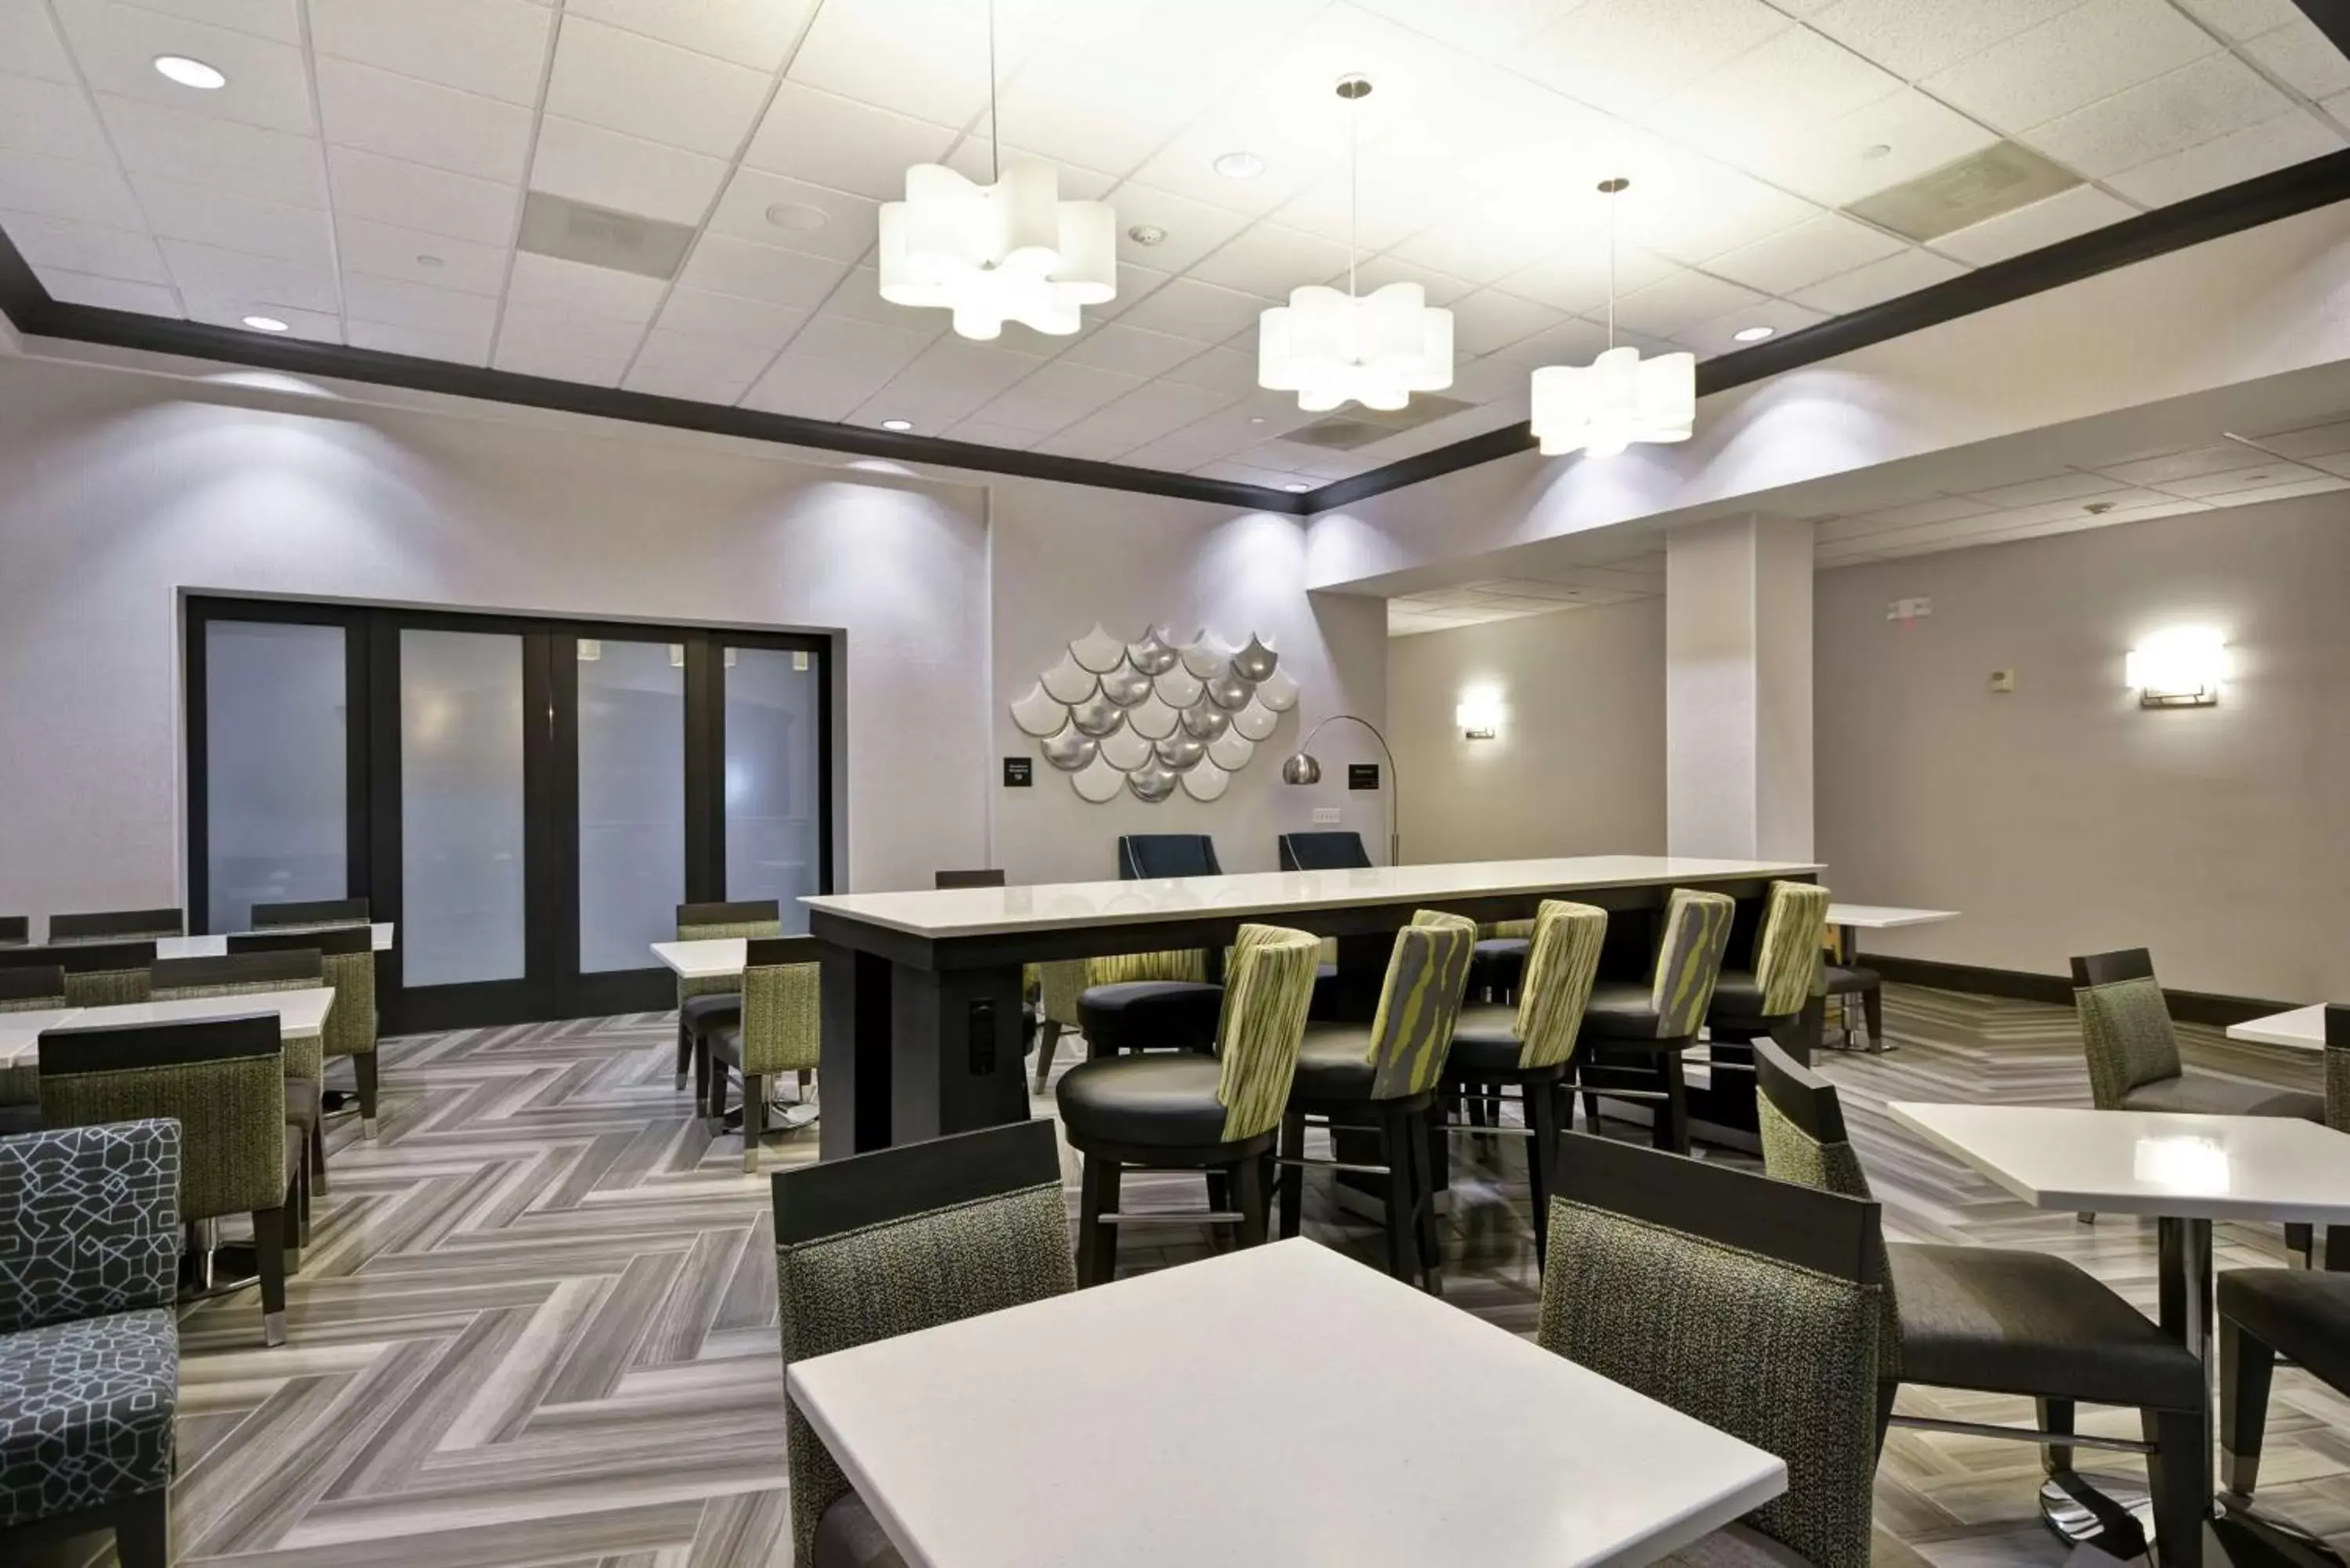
(849, 1536)
(1165, 1100)
(19, 1119)
(301, 1103)
(700, 1015)
(90, 1410)
(1485, 1045)
(2207, 1096)
(2299, 1312)
(1849, 980)
(1621, 1010)
(726, 1043)
(1332, 1063)
(2008, 1321)
(1737, 1002)
(1498, 964)
(1149, 1015)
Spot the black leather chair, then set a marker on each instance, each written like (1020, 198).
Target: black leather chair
(16, 931)
(2265, 1314)
(1156, 1010)
(1146, 857)
(1324, 852)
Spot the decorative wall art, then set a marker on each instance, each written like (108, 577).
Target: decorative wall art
(1155, 715)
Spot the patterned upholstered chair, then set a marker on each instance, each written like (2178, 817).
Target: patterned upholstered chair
(2002, 1320)
(34, 990)
(224, 1081)
(781, 1030)
(1185, 1111)
(704, 1004)
(1634, 1034)
(1160, 1000)
(98, 974)
(89, 1353)
(117, 926)
(1771, 1335)
(310, 912)
(2134, 1056)
(890, 1242)
(1383, 1076)
(1530, 1047)
(347, 957)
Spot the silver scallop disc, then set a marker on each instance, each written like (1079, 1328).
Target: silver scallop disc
(1096, 715)
(1153, 783)
(1255, 662)
(1126, 685)
(1181, 753)
(1070, 750)
(1204, 722)
(1229, 693)
(1154, 655)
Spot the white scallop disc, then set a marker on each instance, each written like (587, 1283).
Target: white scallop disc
(1206, 782)
(1207, 657)
(1097, 650)
(1278, 691)
(1070, 681)
(1038, 715)
(1125, 750)
(1152, 719)
(1256, 721)
(1230, 751)
(1179, 687)
(1098, 782)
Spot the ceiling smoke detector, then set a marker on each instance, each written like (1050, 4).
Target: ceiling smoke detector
(797, 216)
(1147, 235)
(1240, 165)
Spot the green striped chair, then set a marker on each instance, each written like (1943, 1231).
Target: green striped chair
(1634, 1034)
(1383, 1076)
(1531, 1047)
(704, 1004)
(346, 954)
(1768, 997)
(1184, 1110)
(38, 990)
(781, 1030)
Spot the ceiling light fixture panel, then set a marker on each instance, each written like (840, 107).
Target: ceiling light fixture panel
(1619, 397)
(1012, 251)
(190, 73)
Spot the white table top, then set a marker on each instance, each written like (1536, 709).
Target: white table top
(1280, 1404)
(2303, 1028)
(216, 946)
(2274, 1168)
(20, 1033)
(300, 1014)
(979, 911)
(1884, 917)
(704, 957)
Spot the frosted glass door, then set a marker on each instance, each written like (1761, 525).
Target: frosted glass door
(632, 799)
(276, 794)
(462, 815)
(774, 801)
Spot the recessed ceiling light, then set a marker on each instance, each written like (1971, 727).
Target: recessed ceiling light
(1147, 235)
(1240, 165)
(897, 424)
(190, 73)
(266, 324)
(1876, 151)
(1297, 489)
(797, 215)
(2098, 508)
(1753, 334)
(1256, 418)
(430, 261)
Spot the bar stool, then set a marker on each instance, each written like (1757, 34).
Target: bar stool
(1848, 981)
(1767, 997)
(1499, 964)
(1152, 1001)
(1185, 1111)
(1634, 1034)
(1383, 1076)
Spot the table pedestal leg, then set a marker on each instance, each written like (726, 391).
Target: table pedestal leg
(854, 1063)
(956, 1055)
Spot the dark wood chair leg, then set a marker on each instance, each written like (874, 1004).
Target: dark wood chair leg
(270, 1250)
(318, 1156)
(1246, 1180)
(1887, 1391)
(1541, 1153)
(1872, 1013)
(1397, 1157)
(714, 1104)
(2179, 1479)
(684, 1048)
(2246, 1369)
(754, 1117)
(1096, 1241)
(1669, 1129)
(143, 1530)
(2055, 1415)
(1292, 1179)
(1423, 1181)
(1048, 1041)
(2302, 1238)
(2337, 1249)
(703, 1067)
(363, 1071)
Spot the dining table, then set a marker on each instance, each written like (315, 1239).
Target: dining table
(382, 935)
(301, 1015)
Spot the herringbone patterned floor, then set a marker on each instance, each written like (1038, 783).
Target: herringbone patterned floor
(536, 1321)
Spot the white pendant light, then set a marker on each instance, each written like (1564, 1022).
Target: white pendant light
(1375, 349)
(1009, 251)
(1619, 397)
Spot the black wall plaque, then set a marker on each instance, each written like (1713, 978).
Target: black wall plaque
(1019, 773)
(1362, 776)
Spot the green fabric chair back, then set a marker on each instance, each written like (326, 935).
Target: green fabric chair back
(2337, 1068)
(1788, 968)
(1268, 987)
(783, 1005)
(2126, 1030)
(1689, 960)
(1059, 982)
(1561, 969)
(906, 1239)
(1427, 972)
(1507, 928)
(347, 960)
(247, 975)
(222, 1079)
(1118, 967)
(711, 922)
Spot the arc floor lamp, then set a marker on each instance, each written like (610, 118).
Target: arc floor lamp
(1304, 768)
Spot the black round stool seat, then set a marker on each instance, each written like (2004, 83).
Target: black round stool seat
(1149, 1015)
(1497, 964)
(1843, 979)
(1163, 1101)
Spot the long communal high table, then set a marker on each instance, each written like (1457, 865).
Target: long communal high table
(922, 1032)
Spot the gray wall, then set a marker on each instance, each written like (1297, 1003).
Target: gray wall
(1579, 768)
(2064, 819)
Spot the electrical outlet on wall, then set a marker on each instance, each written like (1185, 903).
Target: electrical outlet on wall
(1325, 816)
(2003, 680)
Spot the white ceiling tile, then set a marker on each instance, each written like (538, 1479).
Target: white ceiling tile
(886, 349)
(699, 311)
(1492, 28)
(259, 280)
(278, 19)
(1186, 165)
(1575, 276)
(1666, 309)
(1792, 85)
(2304, 59)
(812, 388)
(116, 46)
(2070, 61)
(643, 87)
(2289, 138)
(80, 192)
(725, 265)
(977, 161)
(1718, 334)
(1915, 38)
(31, 47)
(758, 35)
(1131, 349)
(555, 284)
(2320, 485)
(925, 57)
(1903, 273)
(1885, 142)
(424, 122)
(556, 363)
(85, 248)
(1193, 228)
(415, 197)
(1056, 397)
(2044, 222)
(847, 146)
(1574, 341)
(1073, 105)
(1248, 474)
(414, 256)
(2309, 441)
(2238, 480)
(1490, 319)
(1480, 245)
(108, 293)
(951, 380)
(230, 309)
(625, 173)
(1219, 371)
(495, 48)
(52, 118)
(682, 360)
(858, 295)
(980, 433)
(567, 332)
(2338, 464)
(268, 165)
(2243, 19)
(1705, 210)
(1389, 201)
(1803, 255)
(1377, 272)
(1623, 55)
(1189, 308)
(2070, 485)
(1134, 285)
(418, 342)
(390, 303)
(177, 212)
(2162, 470)
(2182, 108)
(1094, 446)
(848, 229)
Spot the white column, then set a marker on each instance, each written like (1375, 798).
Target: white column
(1738, 688)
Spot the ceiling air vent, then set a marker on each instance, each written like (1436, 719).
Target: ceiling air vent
(598, 236)
(1360, 426)
(2000, 179)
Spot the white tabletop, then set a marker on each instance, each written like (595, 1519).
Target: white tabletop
(1279, 1405)
(2303, 1028)
(2276, 1168)
(300, 1014)
(703, 958)
(20, 1033)
(217, 946)
(978, 911)
(1884, 917)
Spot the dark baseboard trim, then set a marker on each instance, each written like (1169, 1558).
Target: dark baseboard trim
(2057, 990)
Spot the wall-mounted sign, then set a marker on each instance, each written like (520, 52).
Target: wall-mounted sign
(1019, 773)
(1362, 776)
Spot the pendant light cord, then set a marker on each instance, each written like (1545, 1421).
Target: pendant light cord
(1354, 185)
(1611, 263)
(994, 126)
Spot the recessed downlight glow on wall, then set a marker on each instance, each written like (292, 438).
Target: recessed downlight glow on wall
(266, 324)
(190, 73)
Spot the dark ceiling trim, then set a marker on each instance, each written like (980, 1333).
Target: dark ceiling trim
(2333, 19)
(2318, 182)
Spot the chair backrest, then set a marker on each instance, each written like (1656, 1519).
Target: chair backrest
(783, 1004)
(1689, 960)
(93, 1221)
(115, 925)
(1561, 966)
(1146, 857)
(2337, 1068)
(310, 912)
(237, 974)
(904, 1239)
(991, 877)
(741, 918)
(16, 931)
(2125, 1031)
(32, 989)
(1788, 967)
(1268, 987)
(222, 1079)
(1322, 852)
(1427, 972)
(1749, 1304)
(347, 959)
(98, 974)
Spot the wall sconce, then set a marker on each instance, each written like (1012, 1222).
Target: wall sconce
(1480, 715)
(2178, 668)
